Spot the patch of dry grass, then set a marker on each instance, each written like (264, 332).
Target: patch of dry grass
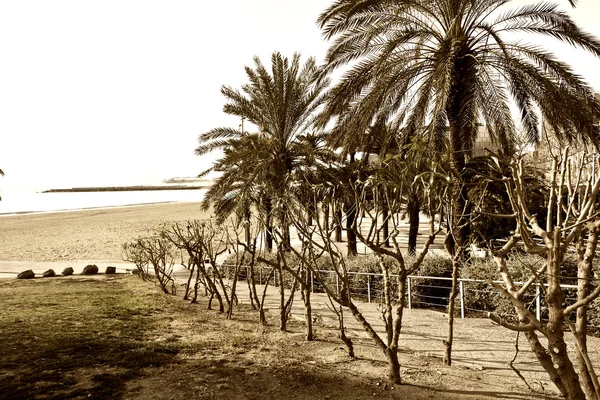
(72, 338)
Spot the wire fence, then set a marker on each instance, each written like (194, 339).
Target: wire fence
(474, 298)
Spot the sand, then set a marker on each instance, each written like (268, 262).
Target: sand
(95, 234)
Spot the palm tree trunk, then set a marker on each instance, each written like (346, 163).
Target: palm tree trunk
(460, 149)
(338, 223)
(247, 216)
(285, 227)
(326, 216)
(351, 235)
(413, 208)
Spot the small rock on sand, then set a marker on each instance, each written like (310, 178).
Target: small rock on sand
(26, 274)
(90, 269)
(67, 271)
(49, 274)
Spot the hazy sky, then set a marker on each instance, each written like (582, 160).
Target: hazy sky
(116, 91)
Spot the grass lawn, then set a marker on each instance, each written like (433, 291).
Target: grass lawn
(120, 338)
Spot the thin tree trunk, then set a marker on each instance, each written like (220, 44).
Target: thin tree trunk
(214, 292)
(219, 278)
(391, 355)
(218, 296)
(195, 299)
(385, 211)
(269, 225)
(260, 302)
(251, 293)
(189, 281)
(451, 304)
(290, 300)
(282, 305)
(388, 317)
(307, 306)
(233, 287)
(347, 341)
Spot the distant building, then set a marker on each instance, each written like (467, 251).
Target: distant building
(483, 141)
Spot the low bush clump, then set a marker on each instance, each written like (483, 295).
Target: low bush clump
(429, 292)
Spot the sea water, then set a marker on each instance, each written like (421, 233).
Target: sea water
(27, 202)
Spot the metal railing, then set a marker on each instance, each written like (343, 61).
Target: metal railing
(425, 291)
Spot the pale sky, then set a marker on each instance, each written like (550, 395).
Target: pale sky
(116, 92)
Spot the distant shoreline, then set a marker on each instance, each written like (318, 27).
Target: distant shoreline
(127, 188)
(72, 210)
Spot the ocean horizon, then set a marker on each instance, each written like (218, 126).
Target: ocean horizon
(26, 202)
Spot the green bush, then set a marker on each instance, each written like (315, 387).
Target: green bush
(432, 291)
(481, 297)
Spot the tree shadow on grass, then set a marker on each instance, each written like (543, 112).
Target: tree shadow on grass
(78, 350)
(235, 380)
(79, 368)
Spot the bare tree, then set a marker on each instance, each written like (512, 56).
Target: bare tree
(203, 243)
(283, 272)
(572, 224)
(156, 252)
(256, 250)
(133, 253)
(395, 269)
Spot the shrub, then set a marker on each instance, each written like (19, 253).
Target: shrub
(479, 297)
(428, 292)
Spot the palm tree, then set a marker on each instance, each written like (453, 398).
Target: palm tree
(258, 168)
(237, 189)
(447, 64)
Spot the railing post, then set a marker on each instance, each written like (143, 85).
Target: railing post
(538, 302)
(461, 288)
(409, 292)
(369, 287)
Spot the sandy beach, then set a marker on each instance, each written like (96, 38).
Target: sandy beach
(95, 234)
